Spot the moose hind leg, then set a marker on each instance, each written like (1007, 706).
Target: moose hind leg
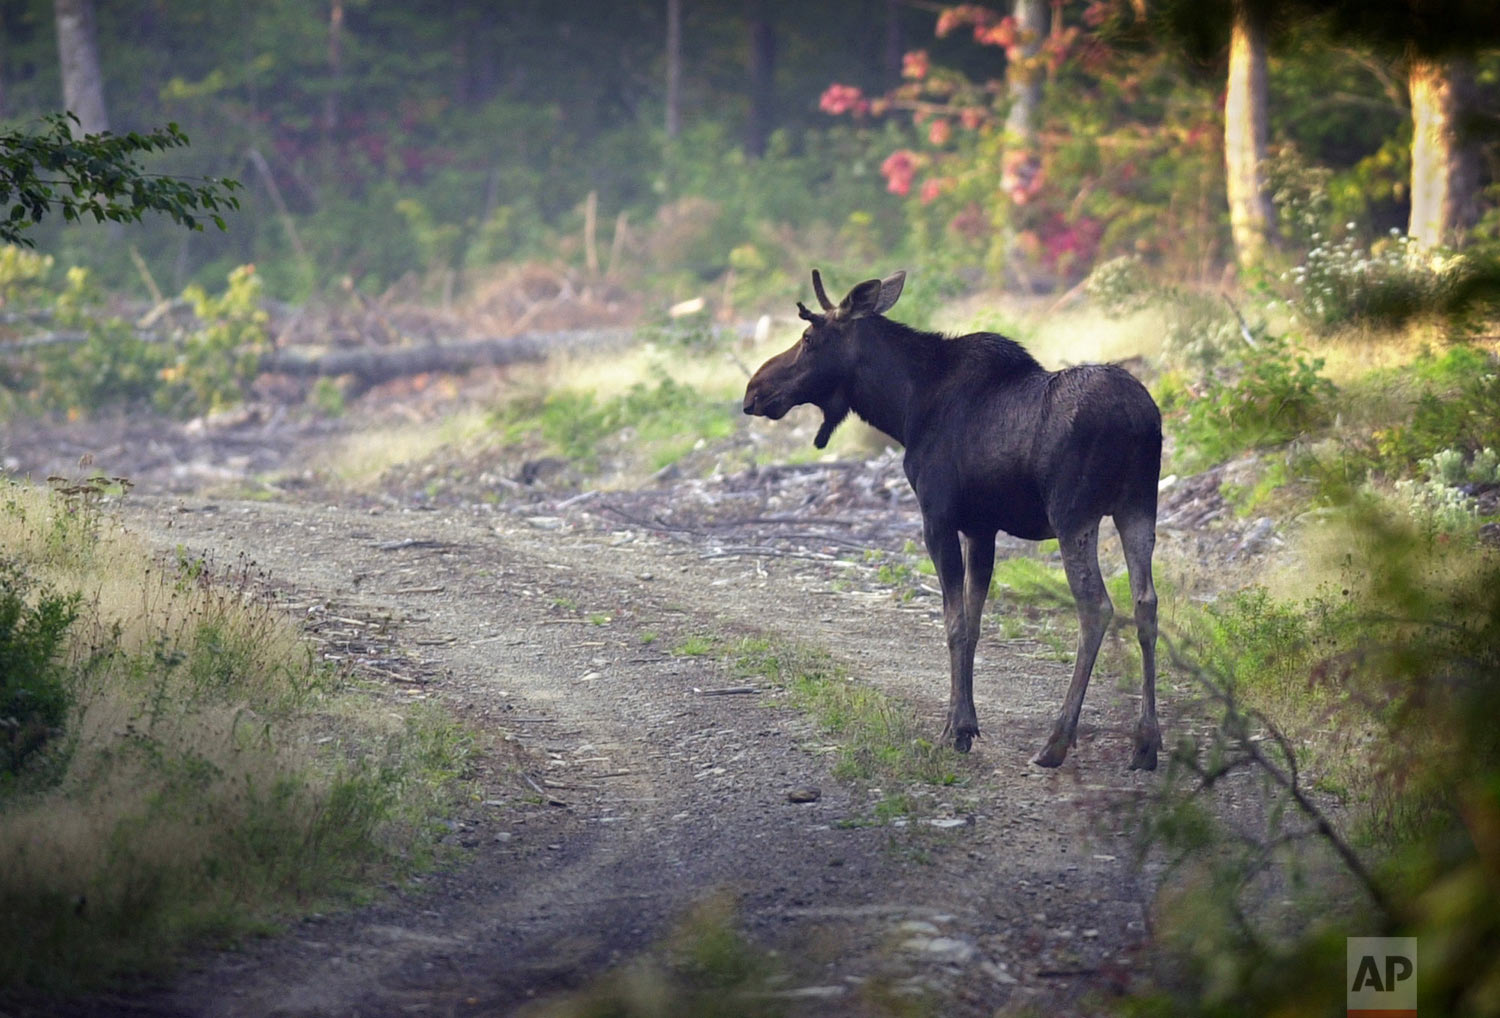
(1138, 537)
(1080, 552)
(979, 566)
(947, 555)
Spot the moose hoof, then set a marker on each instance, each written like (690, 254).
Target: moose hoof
(961, 736)
(1146, 746)
(1144, 759)
(1053, 754)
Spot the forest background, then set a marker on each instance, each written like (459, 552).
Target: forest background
(673, 146)
(1303, 199)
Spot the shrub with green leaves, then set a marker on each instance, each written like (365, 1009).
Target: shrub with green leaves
(219, 359)
(1388, 284)
(1373, 812)
(1274, 395)
(664, 421)
(218, 773)
(184, 372)
(34, 693)
(112, 366)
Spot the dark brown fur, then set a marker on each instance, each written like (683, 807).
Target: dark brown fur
(994, 442)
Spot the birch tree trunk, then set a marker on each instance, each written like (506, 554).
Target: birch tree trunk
(1245, 129)
(1444, 166)
(1023, 79)
(78, 54)
(1021, 158)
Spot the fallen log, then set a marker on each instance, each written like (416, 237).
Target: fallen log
(368, 366)
(373, 366)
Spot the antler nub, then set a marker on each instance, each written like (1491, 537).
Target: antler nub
(822, 294)
(805, 313)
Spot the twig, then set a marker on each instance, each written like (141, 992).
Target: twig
(574, 500)
(146, 277)
(552, 800)
(1287, 779)
(738, 550)
(412, 542)
(283, 213)
(1244, 328)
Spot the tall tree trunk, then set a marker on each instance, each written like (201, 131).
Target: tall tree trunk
(1245, 128)
(78, 53)
(335, 70)
(762, 78)
(1444, 166)
(894, 46)
(1021, 158)
(478, 72)
(674, 67)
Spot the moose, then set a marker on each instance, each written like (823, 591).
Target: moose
(994, 442)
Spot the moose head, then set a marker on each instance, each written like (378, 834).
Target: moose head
(818, 367)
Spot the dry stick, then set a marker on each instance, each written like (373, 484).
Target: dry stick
(811, 521)
(141, 267)
(1244, 328)
(1289, 782)
(617, 245)
(663, 526)
(735, 551)
(590, 226)
(264, 169)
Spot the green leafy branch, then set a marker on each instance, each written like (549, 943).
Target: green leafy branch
(98, 175)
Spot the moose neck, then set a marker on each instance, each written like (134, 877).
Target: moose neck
(888, 371)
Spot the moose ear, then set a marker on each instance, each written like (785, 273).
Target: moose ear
(862, 301)
(890, 292)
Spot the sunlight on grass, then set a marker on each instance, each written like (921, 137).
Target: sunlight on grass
(359, 458)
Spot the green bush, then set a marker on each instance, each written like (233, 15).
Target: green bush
(1268, 884)
(1454, 404)
(1393, 282)
(663, 421)
(1273, 396)
(184, 373)
(218, 773)
(34, 694)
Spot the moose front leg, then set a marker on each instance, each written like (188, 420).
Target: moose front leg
(947, 555)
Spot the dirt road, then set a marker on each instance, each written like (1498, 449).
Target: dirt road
(1014, 888)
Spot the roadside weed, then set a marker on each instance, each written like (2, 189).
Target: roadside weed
(204, 771)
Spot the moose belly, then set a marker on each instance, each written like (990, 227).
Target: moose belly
(1028, 522)
(1012, 504)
